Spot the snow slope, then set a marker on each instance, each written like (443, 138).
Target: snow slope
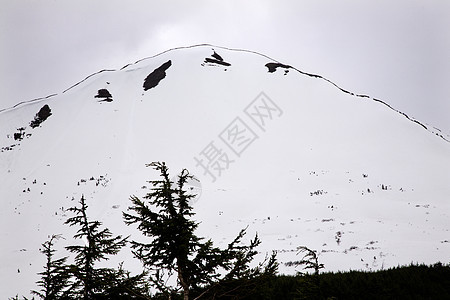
(286, 153)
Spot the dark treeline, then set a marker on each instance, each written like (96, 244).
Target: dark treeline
(178, 264)
(405, 282)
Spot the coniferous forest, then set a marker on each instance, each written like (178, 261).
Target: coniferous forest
(178, 264)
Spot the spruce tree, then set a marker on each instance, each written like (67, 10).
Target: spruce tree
(55, 279)
(124, 286)
(310, 260)
(309, 285)
(173, 250)
(92, 282)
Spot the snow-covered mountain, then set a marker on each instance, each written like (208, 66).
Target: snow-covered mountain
(289, 154)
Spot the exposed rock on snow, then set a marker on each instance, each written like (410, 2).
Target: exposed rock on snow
(105, 95)
(216, 60)
(156, 76)
(273, 67)
(41, 116)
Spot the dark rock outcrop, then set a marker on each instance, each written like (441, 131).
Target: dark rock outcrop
(216, 59)
(104, 94)
(156, 76)
(18, 136)
(41, 116)
(273, 67)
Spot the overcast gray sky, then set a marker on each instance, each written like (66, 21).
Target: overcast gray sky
(398, 51)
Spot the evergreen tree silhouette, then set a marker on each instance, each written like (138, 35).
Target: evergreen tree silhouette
(55, 279)
(92, 282)
(173, 250)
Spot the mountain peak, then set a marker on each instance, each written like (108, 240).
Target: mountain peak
(288, 153)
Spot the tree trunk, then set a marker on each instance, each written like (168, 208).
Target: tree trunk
(183, 283)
